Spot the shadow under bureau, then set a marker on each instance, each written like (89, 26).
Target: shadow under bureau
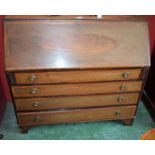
(75, 70)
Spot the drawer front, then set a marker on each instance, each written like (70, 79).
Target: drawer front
(77, 76)
(76, 89)
(76, 101)
(80, 115)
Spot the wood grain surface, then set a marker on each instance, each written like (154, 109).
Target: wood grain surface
(76, 89)
(80, 115)
(76, 101)
(72, 44)
(77, 76)
(65, 69)
(61, 17)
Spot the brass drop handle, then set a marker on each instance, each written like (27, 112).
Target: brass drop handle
(36, 104)
(36, 119)
(125, 74)
(34, 91)
(117, 113)
(120, 99)
(123, 87)
(32, 78)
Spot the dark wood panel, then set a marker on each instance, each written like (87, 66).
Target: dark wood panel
(80, 115)
(76, 89)
(77, 76)
(76, 101)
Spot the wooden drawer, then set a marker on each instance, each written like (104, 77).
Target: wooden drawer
(79, 115)
(77, 76)
(76, 101)
(76, 89)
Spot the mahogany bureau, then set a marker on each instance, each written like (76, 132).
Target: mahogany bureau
(65, 70)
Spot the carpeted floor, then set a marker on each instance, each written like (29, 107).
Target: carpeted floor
(94, 130)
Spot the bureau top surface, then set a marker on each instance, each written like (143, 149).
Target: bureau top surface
(75, 44)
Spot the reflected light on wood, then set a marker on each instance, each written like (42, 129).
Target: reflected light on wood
(60, 61)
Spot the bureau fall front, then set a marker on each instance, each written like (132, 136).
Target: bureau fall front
(75, 70)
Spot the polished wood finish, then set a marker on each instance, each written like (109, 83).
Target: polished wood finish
(60, 17)
(81, 76)
(73, 44)
(43, 17)
(74, 69)
(78, 115)
(75, 101)
(76, 89)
